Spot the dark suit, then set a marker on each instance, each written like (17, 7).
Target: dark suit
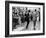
(27, 19)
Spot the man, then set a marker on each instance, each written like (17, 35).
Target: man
(27, 17)
(34, 18)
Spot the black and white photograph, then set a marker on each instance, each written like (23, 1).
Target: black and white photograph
(25, 18)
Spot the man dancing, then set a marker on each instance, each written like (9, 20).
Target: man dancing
(35, 15)
(27, 17)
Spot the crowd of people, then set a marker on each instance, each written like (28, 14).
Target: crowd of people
(23, 14)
